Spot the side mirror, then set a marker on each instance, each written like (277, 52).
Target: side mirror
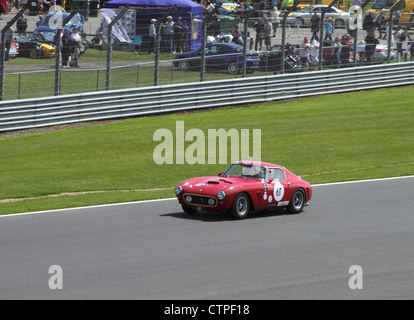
(220, 174)
(270, 180)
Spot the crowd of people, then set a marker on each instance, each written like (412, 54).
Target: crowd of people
(175, 35)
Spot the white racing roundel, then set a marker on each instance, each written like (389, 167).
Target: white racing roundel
(278, 191)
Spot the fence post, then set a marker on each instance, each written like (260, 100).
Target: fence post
(390, 27)
(158, 44)
(3, 48)
(109, 49)
(295, 4)
(325, 10)
(246, 17)
(58, 57)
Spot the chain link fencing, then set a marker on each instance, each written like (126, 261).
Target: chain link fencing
(215, 55)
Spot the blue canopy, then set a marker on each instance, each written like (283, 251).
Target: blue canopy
(146, 10)
(155, 3)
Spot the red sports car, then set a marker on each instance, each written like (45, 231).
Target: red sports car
(245, 186)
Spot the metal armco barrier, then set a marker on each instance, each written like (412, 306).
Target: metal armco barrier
(116, 104)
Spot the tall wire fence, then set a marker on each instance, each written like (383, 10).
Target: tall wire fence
(241, 47)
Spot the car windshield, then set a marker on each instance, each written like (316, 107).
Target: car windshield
(53, 19)
(44, 36)
(383, 4)
(246, 171)
(308, 9)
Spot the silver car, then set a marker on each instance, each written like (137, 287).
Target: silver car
(380, 54)
(303, 17)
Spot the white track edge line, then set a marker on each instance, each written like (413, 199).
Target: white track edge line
(169, 199)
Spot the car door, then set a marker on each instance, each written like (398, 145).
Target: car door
(212, 58)
(278, 188)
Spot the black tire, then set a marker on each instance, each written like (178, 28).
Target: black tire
(297, 202)
(34, 54)
(241, 206)
(299, 23)
(233, 68)
(339, 23)
(183, 65)
(188, 210)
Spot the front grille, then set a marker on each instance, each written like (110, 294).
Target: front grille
(198, 200)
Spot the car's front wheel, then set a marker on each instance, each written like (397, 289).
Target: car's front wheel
(297, 202)
(188, 210)
(241, 206)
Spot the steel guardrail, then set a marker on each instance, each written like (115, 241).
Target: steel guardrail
(116, 104)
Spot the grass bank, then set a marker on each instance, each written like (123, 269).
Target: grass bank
(338, 137)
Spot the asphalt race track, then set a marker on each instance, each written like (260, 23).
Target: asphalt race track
(151, 250)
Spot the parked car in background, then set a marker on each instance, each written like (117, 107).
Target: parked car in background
(380, 54)
(272, 60)
(51, 21)
(303, 17)
(32, 48)
(219, 56)
(14, 49)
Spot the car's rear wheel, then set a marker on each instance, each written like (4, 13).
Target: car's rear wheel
(241, 206)
(299, 23)
(339, 23)
(34, 54)
(233, 68)
(183, 65)
(297, 202)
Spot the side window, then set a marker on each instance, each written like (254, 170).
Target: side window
(401, 6)
(276, 173)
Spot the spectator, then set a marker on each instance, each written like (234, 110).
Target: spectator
(237, 35)
(409, 49)
(315, 20)
(268, 34)
(314, 51)
(186, 37)
(168, 32)
(336, 51)
(210, 7)
(8, 39)
(152, 35)
(304, 53)
(345, 53)
(275, 19)
(21, 25)
(38, 22)
(214, 27)
(259, 28)
(178, 35)
(380, 22)
(66, 47)
(396, 17)
(75, 52)
(328, 29)
(368, 22)
(401, 37)
(370, 45)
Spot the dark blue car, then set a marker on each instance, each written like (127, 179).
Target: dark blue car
(219, 56)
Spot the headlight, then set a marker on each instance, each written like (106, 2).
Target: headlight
(221, 195)
(178, 189)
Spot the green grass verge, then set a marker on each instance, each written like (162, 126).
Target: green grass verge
(331, 138)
